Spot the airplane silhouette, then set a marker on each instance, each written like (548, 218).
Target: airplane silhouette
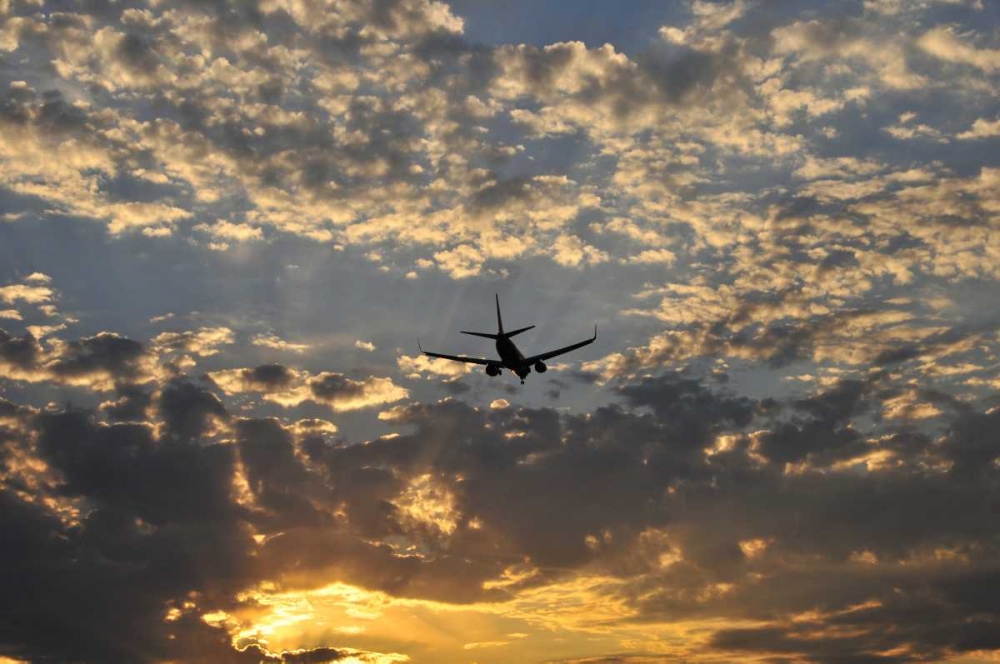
(510, 357)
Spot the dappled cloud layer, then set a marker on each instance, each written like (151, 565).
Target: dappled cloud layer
(682, 520)
(787, 450)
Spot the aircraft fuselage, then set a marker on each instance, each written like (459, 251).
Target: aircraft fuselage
(512, 357)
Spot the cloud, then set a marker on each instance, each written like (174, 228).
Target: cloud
(797, 258)
(97, 362)
(571, 252)
(277, 343)
(981, 128)
(289, 388)
(178, 485)
(399, 140)
(204, 342)
(657, 474)
(654, 257)
(944, 44)
(25, 293)
(415, 366)
(342, 393)
(907, 131)
(850, 40)
(223, 230)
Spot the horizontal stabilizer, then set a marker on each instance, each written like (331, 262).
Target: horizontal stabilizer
(482, 334)
(523, 329)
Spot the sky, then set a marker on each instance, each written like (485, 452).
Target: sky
(225, 224)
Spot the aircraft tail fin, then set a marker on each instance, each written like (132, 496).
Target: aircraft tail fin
(500, 333)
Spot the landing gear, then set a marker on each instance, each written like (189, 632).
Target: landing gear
(522, 381)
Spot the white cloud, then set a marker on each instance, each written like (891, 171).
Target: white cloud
(25, 293)
(981, 128)
(277, 343)
(415, 366)
(943, 43)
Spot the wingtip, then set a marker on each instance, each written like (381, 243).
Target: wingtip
(595, 330)
(419, 346)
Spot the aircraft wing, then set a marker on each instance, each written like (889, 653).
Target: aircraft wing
(458, 358)
(560, 351)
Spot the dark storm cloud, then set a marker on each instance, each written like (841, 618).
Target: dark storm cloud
(933, 615)
(132, 405)
(104, 353)
(612, 466)
(973, 443)
(822, 424)
(255, 653)
(614, 489)
(836, 517)
(332, 386)
(124, 467)
(691, 411)
(20, 352)
(159, 524)
(96, 361)
(268, 377)
(188, 410)
(280, 482)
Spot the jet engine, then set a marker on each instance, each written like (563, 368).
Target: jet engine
(540, 367)
(492, 370)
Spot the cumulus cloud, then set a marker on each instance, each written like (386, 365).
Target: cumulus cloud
(241, 496)
(275, 342)
(224, 230)
(981, 128)
(342, 393)
(289, 387)
(943, 43)
(419, 365)
(204, 342)
(98, 361)
(25, 293)
(796, 245)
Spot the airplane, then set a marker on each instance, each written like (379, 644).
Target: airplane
(510, 357)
